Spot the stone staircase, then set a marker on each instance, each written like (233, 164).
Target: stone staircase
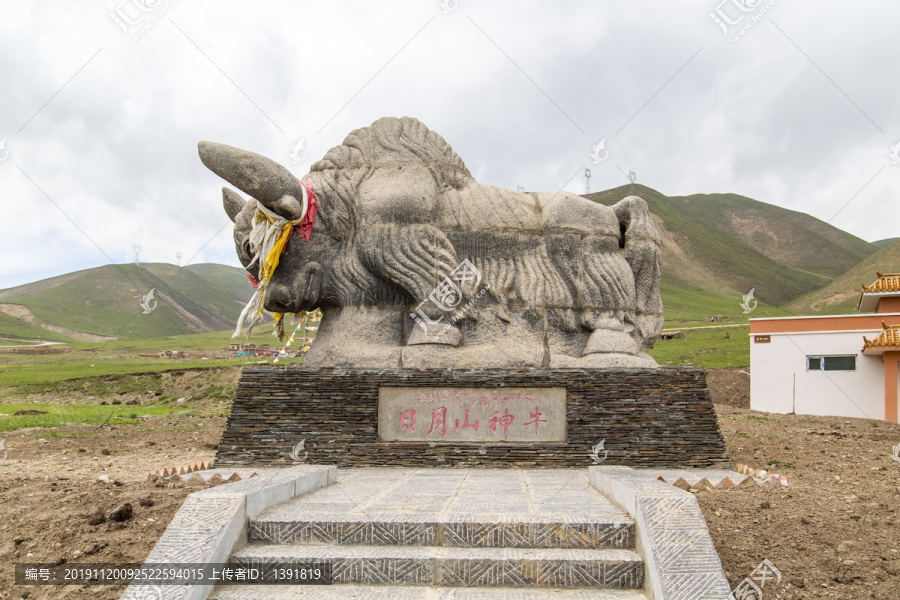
(449, 534)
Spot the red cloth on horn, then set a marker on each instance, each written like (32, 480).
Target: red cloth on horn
(304, 227)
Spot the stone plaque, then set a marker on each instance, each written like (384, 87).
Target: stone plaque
(472, 415)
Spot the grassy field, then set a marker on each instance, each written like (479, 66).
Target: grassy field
(209, 383)
(72, 366)
(687, 306)
(720, 347)
(119, 357)
(174, 396)
(67, 414)
(15, 342)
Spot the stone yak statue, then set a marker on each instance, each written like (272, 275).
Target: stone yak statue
(415, 264)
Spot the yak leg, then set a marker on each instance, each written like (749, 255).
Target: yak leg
(584, 243)
(606, 298)
(641, 244)
(638, 271)
(417, 259)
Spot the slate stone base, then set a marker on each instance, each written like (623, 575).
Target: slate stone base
(660, 417)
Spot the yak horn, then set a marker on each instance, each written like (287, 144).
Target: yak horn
(252, 173)
(233, 203)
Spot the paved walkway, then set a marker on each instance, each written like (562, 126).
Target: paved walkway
(441, 495)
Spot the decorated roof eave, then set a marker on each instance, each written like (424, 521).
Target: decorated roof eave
(887, 283)
(888, 340)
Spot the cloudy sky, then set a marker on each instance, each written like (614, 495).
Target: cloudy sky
(789, 102)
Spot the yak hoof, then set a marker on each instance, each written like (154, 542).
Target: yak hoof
(604, 341)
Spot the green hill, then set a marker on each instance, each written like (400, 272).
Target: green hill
(690, 306)
(840, 296)
(715, 249)
(97, 304)
(726, 244)
(226, 277)
(14, 328)
(884, 242)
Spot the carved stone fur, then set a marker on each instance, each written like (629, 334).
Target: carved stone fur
(416, 264)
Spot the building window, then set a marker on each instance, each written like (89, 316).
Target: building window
(831, 363)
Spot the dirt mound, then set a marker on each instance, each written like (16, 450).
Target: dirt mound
(729, 386)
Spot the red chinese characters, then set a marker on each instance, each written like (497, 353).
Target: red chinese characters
(439, 421)
(408, 420)
(466, 425)
(505, 421)
(536, 420)
(474, 415)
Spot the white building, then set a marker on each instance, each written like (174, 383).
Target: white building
(838, 365)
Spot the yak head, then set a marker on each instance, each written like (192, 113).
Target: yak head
(301, 278)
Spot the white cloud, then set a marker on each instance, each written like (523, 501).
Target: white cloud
(115, 147)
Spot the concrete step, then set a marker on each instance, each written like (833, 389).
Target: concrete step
(459, 508)
(609, 533)
(355, 592)
(460, 567)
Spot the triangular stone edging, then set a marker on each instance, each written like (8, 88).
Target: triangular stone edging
(179, 470)
(211, 522)
(716, 479)
(680, 560)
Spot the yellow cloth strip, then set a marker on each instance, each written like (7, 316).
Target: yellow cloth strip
(271, 262)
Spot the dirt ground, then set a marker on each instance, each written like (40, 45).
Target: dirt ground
(729, 386)
(50, 486)
(833, 533)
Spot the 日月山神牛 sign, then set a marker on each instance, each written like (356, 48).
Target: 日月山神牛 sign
(450, 415)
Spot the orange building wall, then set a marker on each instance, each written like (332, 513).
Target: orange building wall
(888, 305)
(840, 323)
(891, 377)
